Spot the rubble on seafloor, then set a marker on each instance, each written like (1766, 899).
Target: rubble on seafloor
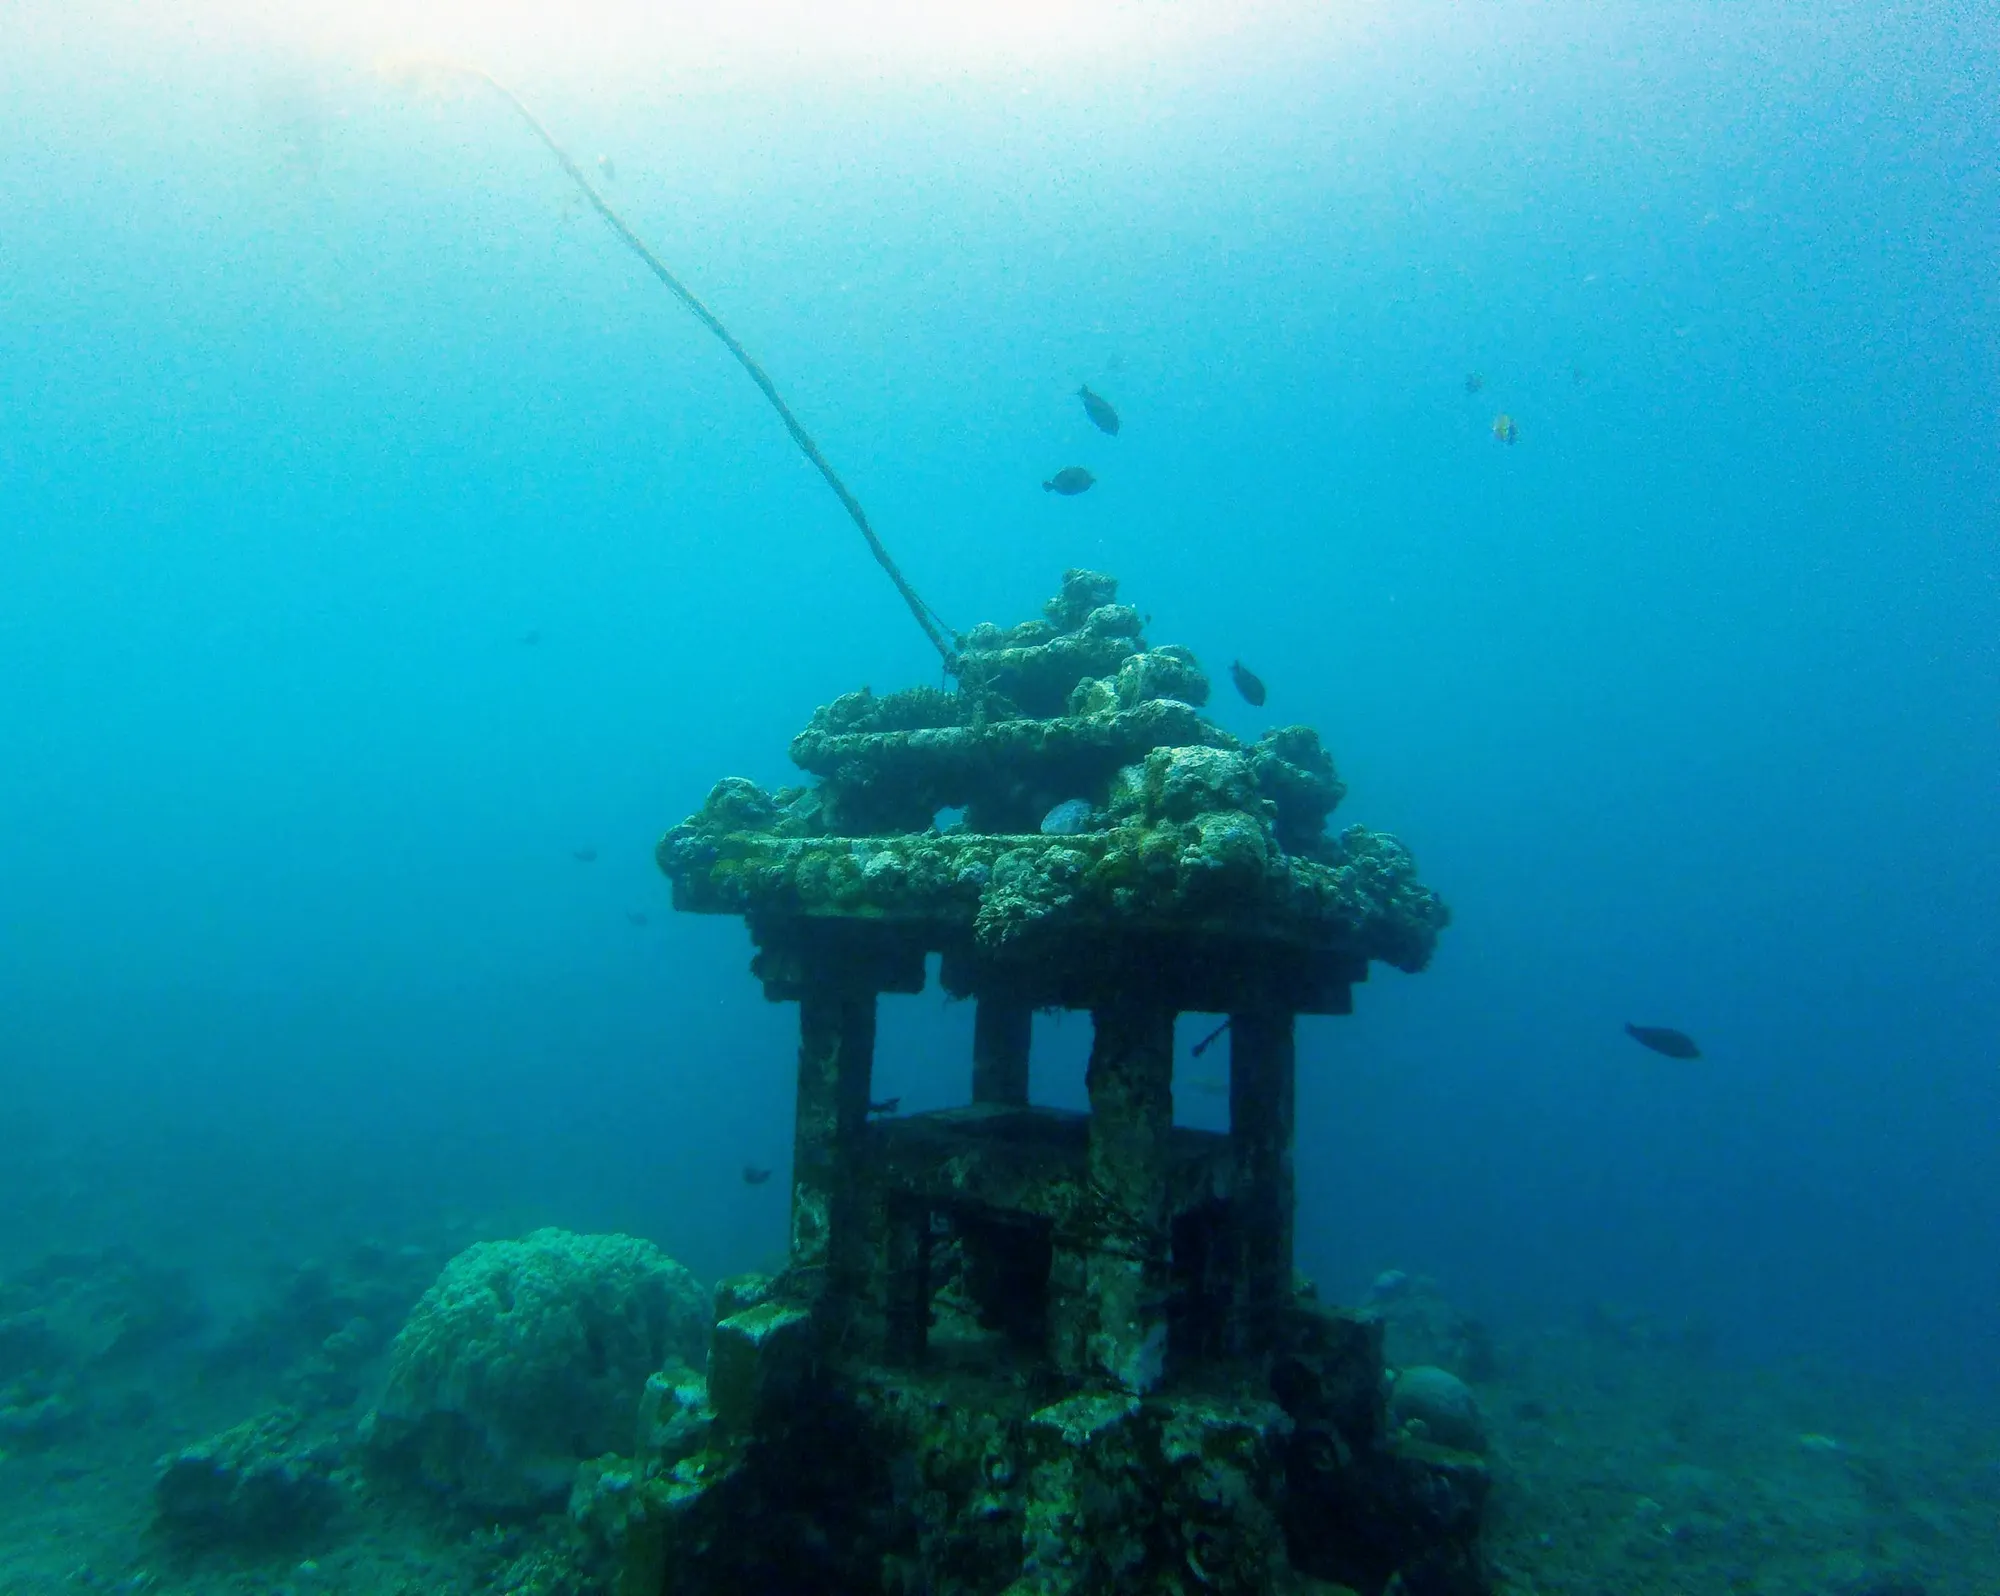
(1648, 1465)
(75, 1327)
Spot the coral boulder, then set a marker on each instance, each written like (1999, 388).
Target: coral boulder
(527, 1357)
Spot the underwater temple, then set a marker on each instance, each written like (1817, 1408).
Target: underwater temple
(1020, 1349)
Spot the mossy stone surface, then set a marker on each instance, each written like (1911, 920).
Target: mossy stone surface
(756, 1359)
(1189, 832)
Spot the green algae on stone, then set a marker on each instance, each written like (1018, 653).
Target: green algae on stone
(756, 1359)
(1035, 666)
(1197, 831)
(1083, 594)
(999, 772)
(1295, 773)
(1221, 867)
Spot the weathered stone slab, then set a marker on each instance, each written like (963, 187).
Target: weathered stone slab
(756, 1360)
(1213, 880)
(1130, 1081)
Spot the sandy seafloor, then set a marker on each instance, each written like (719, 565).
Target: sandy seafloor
(1630, 1459)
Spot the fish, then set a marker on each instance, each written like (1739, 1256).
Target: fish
(1067, 819)
(1069, 482)
(584, 855)
(1209, 1040)
(1247, 683)
(636, 916)
(531, 636)
(1209, 1085)
(753, 1176)
(608, 167)
(1098, 408)
(1504, 428)
(886, 1105)
(1474, 382)
(1663, 1039)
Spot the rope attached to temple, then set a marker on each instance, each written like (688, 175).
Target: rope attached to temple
(941, 636)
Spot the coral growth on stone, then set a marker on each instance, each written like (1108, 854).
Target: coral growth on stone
(1188, 826)
(264, 1483)
(527, 1357)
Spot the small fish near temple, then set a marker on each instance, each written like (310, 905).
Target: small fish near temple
(1248, 683)
(1069, 482)
(1504, 428)
(1663, 1039)
(1038, 1307)
(1098, 408)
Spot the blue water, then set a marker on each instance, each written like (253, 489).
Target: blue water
(318, 396)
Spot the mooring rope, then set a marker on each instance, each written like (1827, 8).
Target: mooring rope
(942, 638)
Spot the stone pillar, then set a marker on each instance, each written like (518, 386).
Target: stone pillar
(1262, 1075)
(1131, 1116)
(906, 1271)
(836, 1054)
(1069, 1315)
(1001, 1031)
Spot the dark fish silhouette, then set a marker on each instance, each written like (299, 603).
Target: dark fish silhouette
(584, 855)
(886, 1105)
(636, 916)
(1209, 1040)
(1663, 1039)
(1474, 382)
(1098, 408)
(532, 636)
(753, 1176)
(1247, 682)
(1069, 482)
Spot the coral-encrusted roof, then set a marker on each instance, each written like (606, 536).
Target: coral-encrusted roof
(1176, 845)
